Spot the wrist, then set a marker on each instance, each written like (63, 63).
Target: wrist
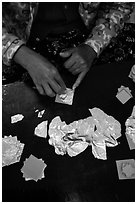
(25, 57)
(91, 51)
(21, 56)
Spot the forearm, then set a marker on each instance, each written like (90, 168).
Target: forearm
(28, 58)
(10, 45)
(111, 20)
(23, 56)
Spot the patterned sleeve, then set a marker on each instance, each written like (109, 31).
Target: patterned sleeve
(10, 44)
(109, 20)
(14, 25)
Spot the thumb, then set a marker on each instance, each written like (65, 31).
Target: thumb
(79, 79)
(66, 53)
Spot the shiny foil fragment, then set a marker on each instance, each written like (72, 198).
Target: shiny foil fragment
(124, 94)
(11, 150)
(130, 129)
(97, 131)
(66, 98)
(41, 129)
(40, 113)
(132, 73)
(126, 169)
(16, 118)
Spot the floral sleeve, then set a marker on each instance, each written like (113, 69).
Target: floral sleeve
(10, 44)
(14, 28)
(109, 20)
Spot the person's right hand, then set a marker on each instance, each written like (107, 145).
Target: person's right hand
(44, 75)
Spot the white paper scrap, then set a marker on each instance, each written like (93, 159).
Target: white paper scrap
(41, 129)
(36, 110)
(40, 114)
(66, 98)
(16, 118)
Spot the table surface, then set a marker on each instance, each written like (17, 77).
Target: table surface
(80, 178)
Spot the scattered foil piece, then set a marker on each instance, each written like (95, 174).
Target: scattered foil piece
(66, 98)
(41, 129)
(36, 110)
(99, 150)
(33, 169)
(40, 114)
(98, 131)
(11, 150)
(124, 88)
(130, 130)
(124, 94)
(16, 118)
(126, 169)
(132, 73)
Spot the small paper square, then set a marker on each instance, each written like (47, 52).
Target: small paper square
(66, 98)
(123, 96)
(33, 168)
(126, 169)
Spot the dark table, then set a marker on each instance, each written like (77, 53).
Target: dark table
(80, 178)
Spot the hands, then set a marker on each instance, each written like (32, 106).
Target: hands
(80, 61)
(44, 75)
(46, 78)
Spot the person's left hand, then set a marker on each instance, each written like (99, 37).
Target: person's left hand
(80, 60)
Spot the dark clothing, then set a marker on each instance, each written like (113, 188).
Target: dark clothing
(56, 18)
(57, 27)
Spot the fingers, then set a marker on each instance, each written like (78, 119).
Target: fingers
(45, 90)
(40, 89)
(50, 87)
(79, 79)
(67, 53)
(48, 90)
(75, 64)
(61, 83)
(78, 68)
(54, 85)
(70, 62)
(75, 72)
